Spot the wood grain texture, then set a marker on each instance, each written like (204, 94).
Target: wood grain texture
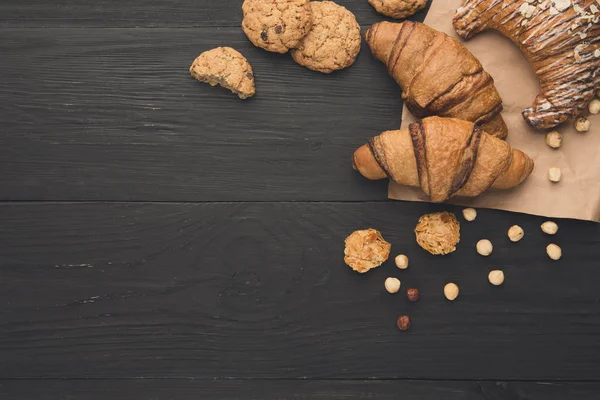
(185, 389)
(112, 114)
(143, 13)
(260, 291)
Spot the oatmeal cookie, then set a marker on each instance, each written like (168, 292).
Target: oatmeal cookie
(226, 67)
(334, 41)
(438, 233)
(366, 250)
(398, 9)
(276, 25)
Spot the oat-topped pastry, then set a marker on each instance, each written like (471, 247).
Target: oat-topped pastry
(276, 25)
(226, 67)
(398, 9)
(334, 40)
(366, 250)
(561, 39)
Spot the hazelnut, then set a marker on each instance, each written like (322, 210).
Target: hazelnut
(554, 174)
(484, 247)
(403, 322)
(413, 294)
(470, 214)
(402, 261)
(392, 285)
(594, 106)
(515, 233)
(554, 139)
(496, 277)
(451, 291)
(582, 124)
(554, 252)
(549, 227)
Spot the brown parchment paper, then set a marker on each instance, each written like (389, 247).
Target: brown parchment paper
(577, 195)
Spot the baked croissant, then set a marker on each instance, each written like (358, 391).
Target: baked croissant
(446, 157)
(561, 39)
(438, 75)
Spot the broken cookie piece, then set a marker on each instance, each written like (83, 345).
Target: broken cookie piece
(438, 233)
(226, 67)
(366, 250)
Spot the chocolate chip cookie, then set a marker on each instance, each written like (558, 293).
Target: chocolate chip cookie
(398, 9)
(226, 67)
(334, 41)
(276, 25)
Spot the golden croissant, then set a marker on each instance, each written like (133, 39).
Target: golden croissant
(438, 75)
(446, 157)
(561, 39)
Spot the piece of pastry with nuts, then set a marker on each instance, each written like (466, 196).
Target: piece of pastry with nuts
(438, 233)
(398, 9)
(365, 250)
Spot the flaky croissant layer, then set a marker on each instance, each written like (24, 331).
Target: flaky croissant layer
(446, 157)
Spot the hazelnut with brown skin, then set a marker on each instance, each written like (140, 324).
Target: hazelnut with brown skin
(413, 294)
(403, 322)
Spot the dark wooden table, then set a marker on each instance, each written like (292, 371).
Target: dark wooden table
(161, 239)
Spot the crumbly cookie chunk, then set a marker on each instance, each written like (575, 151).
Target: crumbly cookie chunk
(226, 67)
(334, 41)
(366, 250)
(276, 25)
(438, 233)
(398, 9)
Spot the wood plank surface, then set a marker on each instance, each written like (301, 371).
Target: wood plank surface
(112, 114)
(260, 291)
(184, 389)
(143, 13)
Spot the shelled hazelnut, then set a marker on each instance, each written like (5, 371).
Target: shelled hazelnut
(485, 247)
(554, 139)
(496, 277)
(401, 261)
(515, 233)
(470, 214)
(392, 285)
(554, 174)
(554, 251)
(594, 106)
(549, 227)
(451, 291)
(582, 124)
